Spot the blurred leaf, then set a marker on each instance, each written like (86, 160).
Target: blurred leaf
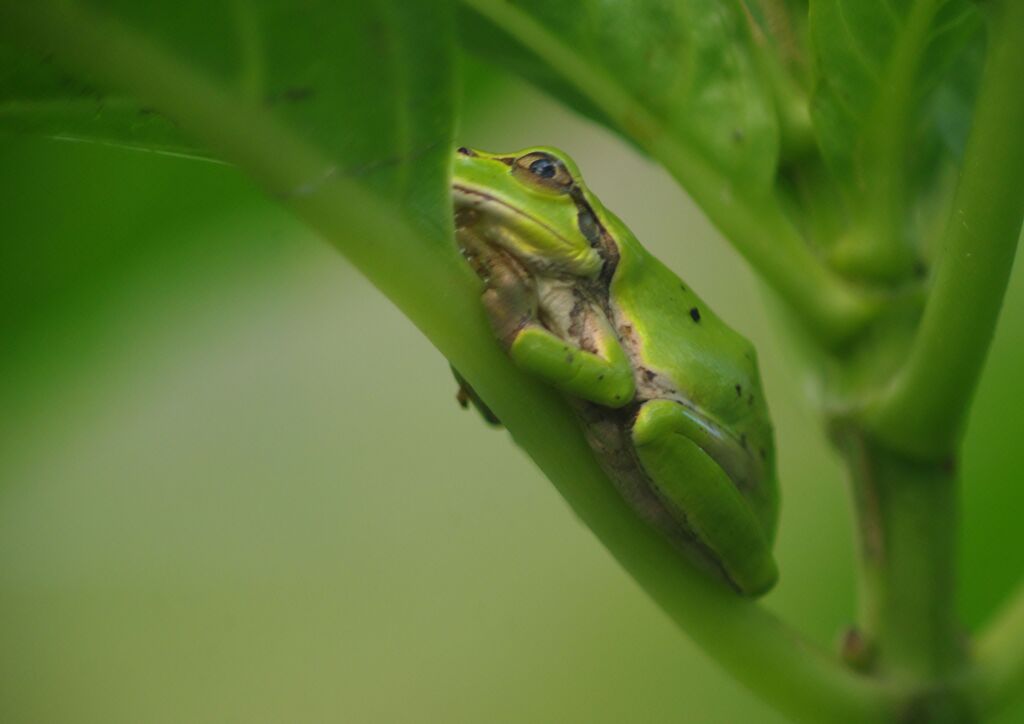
(784, 21)
(879, 62)
(689, 65)
(370, 85)
(38, 98)
(83, 214)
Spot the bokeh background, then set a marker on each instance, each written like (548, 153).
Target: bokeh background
(235, 485)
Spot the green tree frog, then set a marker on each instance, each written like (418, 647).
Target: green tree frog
(669, 396)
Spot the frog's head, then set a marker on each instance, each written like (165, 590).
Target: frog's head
(534, 205)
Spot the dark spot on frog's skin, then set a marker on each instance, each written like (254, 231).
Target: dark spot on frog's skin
(569, 358)
(920, 269)
(683, 287)
(694, 314)
(736, 136)
(750, 399)
(648, 375)
(764, 455)
(600, 377)
(739, 390)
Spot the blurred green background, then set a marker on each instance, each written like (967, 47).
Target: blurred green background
(235, 485)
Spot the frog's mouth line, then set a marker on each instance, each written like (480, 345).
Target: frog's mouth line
(474, 197)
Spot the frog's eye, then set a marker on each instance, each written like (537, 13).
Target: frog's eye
(545, 170)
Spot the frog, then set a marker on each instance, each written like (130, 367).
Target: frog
(668, 395)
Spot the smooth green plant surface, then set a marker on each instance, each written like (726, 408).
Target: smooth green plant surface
(864, 157)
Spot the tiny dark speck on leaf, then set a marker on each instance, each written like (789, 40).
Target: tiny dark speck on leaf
(739, 390)
(694, 314)
(764, 455)
(292, 94)
(600, 377)
(750, 399)
(297, 93)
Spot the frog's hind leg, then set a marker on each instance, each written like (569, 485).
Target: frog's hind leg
(699, 491)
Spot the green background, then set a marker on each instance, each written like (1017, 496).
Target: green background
(235, 485)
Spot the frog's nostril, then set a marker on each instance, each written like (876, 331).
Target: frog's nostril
(465, 151)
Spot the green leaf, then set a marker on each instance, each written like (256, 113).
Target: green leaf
(38, 98)
(785, 23)
(369, 85)
(879, 63)
(688, 66)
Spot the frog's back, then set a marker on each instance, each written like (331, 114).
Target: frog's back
(712, 364)
(710, 367)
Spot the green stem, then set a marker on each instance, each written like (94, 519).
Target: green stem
(752, 221)
(907, 517)
(923, 410)
(998, 675)
(881, 250)
(796, 677)
(792, 104)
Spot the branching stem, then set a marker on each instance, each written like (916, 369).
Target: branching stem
(923, 410)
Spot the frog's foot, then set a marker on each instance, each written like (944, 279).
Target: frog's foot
(467, 396)
(700, 493)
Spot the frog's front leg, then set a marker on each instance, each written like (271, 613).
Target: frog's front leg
(699, 491)
(603, 376)
(511, 300)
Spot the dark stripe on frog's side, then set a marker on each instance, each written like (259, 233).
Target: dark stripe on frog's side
(593, 231)
(728, 450)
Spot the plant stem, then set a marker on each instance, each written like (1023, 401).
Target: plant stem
(888, 138)
(907, 515)
(907, 524)
(751, 220)
(793, 675)
(998, 675)
(923, 410)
